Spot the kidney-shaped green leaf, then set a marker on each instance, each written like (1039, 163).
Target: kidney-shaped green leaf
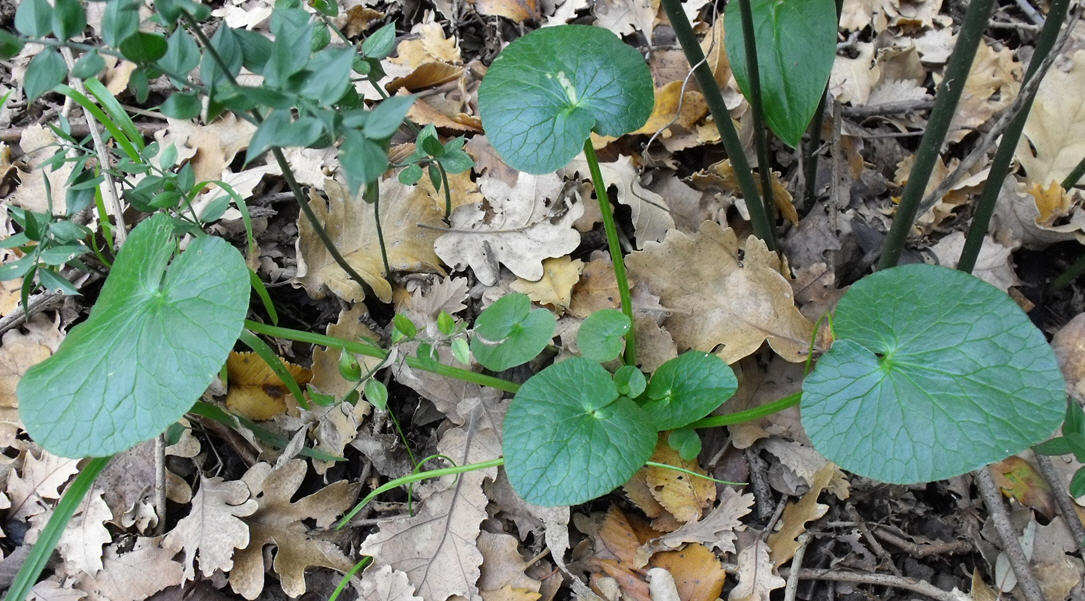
(796, 45)
(600, 336)
(569, 438)
(933, 373)
(509, 332)
(155, 339)
(687, 388)
(548, 90)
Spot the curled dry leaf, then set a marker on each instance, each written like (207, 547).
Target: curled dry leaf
(757, 576)
(502, 565)
(717, 529)
(257, 392)
(720, 300)
(517, 226)
(277, 521)
(674, 495)
(625, 17)
(651, 215)
(81, 543)
(212, 529)
(991, 86)
(410, 216)
(793, 522)
(697, 572)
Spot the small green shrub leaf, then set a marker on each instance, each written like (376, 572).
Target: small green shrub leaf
(182, 54)
(329, 75)
(548, 90)
(933, 373)
(181, 105)
(89, 65)
(687, 388)
(44, 73)
(68, 18)
(120, 20)
(386, 117)
(600, 336)
(687, 442)
(796, 46)
(630, 381)
(153, 342)
(381, 42)
(33, 18)
(142, 47)
(509, 333)
(10, 45)
(569, 437)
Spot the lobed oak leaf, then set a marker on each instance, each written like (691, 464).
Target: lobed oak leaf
(18, 353)
(1054, 134)
(992, 85)
(718, 528)
(518, 226)
(386, 584)
(38, 482)
(135, 575)
(784, 541)
(502, 566)
(280, 522)
(410, 220)
(720, 300)
(213, 528)
(555, 288)
(651, 215)
(757, 576)
(625, 17)
(81, 543)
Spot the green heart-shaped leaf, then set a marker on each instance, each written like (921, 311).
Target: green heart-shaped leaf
(155, 339)
(509, 333)
(569, 438)
(600, 336)
(548, 90)
(687, 388)
(933, 373)
(796, 46)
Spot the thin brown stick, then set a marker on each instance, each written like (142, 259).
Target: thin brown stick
(1063, 503)
(952, 547)
(1010, 545)
(888, 108)
(792, 587)
(921, 587)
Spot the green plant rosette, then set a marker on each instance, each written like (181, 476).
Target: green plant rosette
(933, 373)
(548, 90)
(153, 342)
(510, 333)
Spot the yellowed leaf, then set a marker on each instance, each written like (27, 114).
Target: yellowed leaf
(516, 11)
(1054, 134)
(410, 220)
(255, 391)
(991, 86)
(349, 326)
(722, 175)
(698, 574)
(672, 107)
(718, 299)
(718, 528)
(682, 495)
(1069, 345)
(555, 288)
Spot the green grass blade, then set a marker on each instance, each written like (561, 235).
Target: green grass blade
(99, 115)
(264, 352)
(113, 107)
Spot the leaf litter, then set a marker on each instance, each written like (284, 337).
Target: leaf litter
(701, 282)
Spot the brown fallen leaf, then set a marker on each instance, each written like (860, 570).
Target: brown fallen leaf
(32, 488)
(697, 572)
(625, 17)
(19, 352)
(1054, 134)
(278, 521)
(502, 571)
(1019, 480)
(349, 326)
(1069, 345)
(257, 392)
(81, 543)
(721, 175)
(516, 11)
(133, 576)
(991, 86)
(555, 288)
(651, 215)
(719, 299)
(681, 495)
(718, 528)
(410, 216)
(386, 584)
(783, 542)
(212, 529)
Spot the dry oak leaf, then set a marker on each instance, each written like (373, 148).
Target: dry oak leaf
(651, 215)
(410, 218)
(719, 299)
(18, 353)
(437, 547)
(38, 482)
(722, 175)
(213, 528)
(257, 392)
(597, 289)
(717, 529)
(517, 226)
(756, 574)
(516, 11)
(1054, 139)
(81, 543)
(502, 566)
(698, 574)
(674, 108)
(1018, 221)
(278, 521)
(135, 575)
(349, 326)
(1069, 345)
(555, 288)
(991, 86)
(386, 584)
(624, 17)
(681, 495)
(994, 264)
(793, 522)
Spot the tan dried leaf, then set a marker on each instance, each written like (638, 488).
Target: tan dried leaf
(502, 564)
(555, 288)
(135, 575)
(624, 17)
(697, 572)
(1069, 345)
(757, 576)
(597, 289)
(1054, 139)
(991, 86)
(651, 215)
(212, 529)
(386, 584)
(793, 522)
(18, 353)
(38, 145)
(410, 219)
(719, 299)
(994, 264)
(349, 326)
(682, 495)
(256, 391)
(38, 482)
(277, 521)
(516, 11)
(718, 528)
(81, 543)
(517, 226)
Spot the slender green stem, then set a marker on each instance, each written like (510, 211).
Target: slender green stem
(1075, 175)
(373, 195)
(284, 167)
(1072, 273)
(813, 141)
(760, 134)
(615, 249)
(945, 103)
(448, 191)
(369, 350)
(345, 580)
(714, 421)
(439, 473)
(675, 468)
(1000, 165)
(54, 528)
(759, 217)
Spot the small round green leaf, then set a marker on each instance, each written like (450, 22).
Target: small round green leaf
(548, 90)
(630, 381)
(933, 373)
(687, 388)
(600, 336)
(143, 47)
(509, 333)
(181, 105)
(796, 46)
(687, 442)
(155, 339)
(569, 438)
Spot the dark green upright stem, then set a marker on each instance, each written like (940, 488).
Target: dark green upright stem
(813, 141)
(615, 249)
(373, 195)
(284, 166)
(1000, 166)
(760, 133)
(759, 217)
(945, 103)
(1075, 175)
